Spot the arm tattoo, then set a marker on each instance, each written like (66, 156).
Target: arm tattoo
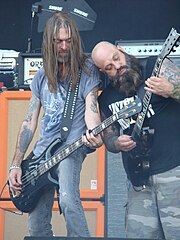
(94, 95)
(24, 139)
(170, 71)
(26, 133)
(110, 136)
(32, 107)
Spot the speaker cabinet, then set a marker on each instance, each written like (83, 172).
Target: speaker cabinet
(13, 108)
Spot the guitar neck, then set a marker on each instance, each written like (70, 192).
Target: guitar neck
(145, 103)
(58, 157)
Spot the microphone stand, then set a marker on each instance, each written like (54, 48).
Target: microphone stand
(35, 9)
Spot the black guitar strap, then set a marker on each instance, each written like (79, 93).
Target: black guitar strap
(69, 109)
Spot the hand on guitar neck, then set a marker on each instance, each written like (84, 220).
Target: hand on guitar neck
(168, 81)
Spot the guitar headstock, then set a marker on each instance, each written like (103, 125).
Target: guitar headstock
(131, 109)
(172, 42)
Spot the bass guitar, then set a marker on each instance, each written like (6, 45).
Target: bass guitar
(37, 174)
(138, 160)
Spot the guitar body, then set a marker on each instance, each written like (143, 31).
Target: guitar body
(34, 183)
(138, 159)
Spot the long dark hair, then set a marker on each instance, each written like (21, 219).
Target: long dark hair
(50, 62)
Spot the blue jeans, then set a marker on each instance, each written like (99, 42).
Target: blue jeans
(68, 172)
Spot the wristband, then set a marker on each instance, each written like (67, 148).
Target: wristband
(14, 166)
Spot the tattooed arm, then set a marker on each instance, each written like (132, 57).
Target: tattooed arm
(168, 83)
(25, 136)
(114, 142)
(92, 116)
(92, 119)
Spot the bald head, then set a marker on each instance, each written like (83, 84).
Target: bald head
(108, 57)
(101, 52)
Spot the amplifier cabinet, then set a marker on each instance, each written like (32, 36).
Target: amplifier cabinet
(13, 106)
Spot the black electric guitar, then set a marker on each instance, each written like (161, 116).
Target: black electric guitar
(37, 174)
(138, 160)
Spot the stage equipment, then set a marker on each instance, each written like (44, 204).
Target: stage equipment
(83, 15)
(29, 64)
(144, 48)
(34, 10)
(8, 68)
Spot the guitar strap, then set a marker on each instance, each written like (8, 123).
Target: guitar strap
(69, 109)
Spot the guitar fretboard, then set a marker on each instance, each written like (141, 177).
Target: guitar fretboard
(146, 101)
